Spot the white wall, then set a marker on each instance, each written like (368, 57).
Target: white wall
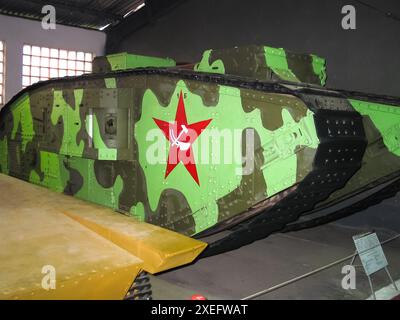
(15, 32)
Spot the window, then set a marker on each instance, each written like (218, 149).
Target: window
(2, 67)
(41, 63)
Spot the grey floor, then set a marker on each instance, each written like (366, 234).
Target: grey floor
(280, 257)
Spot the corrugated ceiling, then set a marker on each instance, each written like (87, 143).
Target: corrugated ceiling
(93, 14)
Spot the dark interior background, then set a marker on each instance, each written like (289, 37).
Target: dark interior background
(365, 59)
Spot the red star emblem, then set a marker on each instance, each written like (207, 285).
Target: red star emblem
(181, 136)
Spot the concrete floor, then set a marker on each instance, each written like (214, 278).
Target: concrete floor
(280, 257)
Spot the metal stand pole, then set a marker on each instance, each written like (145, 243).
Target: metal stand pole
(372, 288)
(354, 258)
(391, 279)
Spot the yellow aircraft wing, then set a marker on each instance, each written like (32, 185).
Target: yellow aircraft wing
(90, 252)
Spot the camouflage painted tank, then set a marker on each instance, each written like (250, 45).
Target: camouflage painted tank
(245, 143)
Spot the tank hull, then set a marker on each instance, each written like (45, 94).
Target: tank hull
(116, 139)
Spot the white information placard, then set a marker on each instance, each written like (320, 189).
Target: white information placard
(370, 252)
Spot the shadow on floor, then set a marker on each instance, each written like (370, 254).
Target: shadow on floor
(281, 257)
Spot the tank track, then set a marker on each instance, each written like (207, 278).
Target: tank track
(283, 217)
(385, 193)
(337, 158)
(141, 288)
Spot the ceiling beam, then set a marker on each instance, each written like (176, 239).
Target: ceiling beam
(108, 17)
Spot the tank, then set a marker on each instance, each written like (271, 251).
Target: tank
(242, 144)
